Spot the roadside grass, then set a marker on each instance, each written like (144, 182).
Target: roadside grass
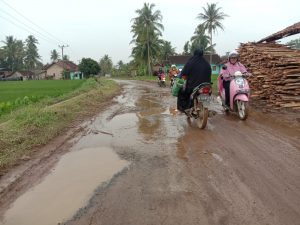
(33, 125)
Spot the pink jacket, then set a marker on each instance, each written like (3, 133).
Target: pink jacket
(231, 69)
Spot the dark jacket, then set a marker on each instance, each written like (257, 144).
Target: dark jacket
(197, 71)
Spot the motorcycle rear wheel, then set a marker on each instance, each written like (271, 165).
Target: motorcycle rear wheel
(202, 114)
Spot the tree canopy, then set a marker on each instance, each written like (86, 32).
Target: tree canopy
(106, 65)
(147, 30)
(212, 18)
(89, 67)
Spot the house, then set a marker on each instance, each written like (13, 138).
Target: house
(4, 73)
(55, 69)
(180, 60)
(40, 74)
(76, 75)
(21, 75)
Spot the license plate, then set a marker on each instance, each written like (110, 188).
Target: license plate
(205, 98)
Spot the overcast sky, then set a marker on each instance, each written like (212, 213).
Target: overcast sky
(93, 28)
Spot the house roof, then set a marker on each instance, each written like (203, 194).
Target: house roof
(5, 73)
(24, 73)
(291, 30)
(182, 59)
(64, 64)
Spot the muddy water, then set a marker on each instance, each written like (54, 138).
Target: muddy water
(66, 189)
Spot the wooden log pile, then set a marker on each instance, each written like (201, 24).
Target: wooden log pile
(276, 74)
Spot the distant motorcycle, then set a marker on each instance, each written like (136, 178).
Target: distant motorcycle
(162, 80)
(201, 98)
(239, 94)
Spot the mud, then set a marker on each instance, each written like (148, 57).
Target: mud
(233, 172)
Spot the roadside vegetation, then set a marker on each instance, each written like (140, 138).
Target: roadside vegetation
(35, 124)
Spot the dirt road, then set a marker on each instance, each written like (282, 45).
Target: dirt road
(140, 162)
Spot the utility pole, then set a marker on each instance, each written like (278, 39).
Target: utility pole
(62, 57)
(62, 50)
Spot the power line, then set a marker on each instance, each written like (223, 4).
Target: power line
(28, 27)
(32, 22)
(24, 29)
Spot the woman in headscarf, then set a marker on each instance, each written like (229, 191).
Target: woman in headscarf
(197, 71)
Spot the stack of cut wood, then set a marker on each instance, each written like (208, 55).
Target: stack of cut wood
(276, 74)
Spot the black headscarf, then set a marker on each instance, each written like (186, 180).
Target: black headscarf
(197, 70)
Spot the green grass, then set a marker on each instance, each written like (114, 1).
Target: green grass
(11, 90)
(214, 79)
(17, 93)
(35, 124)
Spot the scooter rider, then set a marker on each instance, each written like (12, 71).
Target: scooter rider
(233, 64)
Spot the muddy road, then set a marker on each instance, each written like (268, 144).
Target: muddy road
(140, 162)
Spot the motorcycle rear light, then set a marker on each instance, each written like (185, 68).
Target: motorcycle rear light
(205, 90)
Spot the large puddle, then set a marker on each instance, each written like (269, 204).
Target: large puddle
(138, 118)
(67, 188)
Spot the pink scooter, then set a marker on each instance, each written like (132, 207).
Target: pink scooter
(239, 94)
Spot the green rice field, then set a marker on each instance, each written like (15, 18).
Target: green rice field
(11, 90)
(17, 93)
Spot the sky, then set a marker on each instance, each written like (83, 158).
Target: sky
(93, 28)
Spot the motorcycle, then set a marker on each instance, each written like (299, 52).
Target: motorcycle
(173, 80)
(239, 94)
(162, 80)
(200, 97)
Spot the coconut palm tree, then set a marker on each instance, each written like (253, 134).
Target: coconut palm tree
(167, 50)
(54, 55)
(186, 48)
(200, 40)
(146, 29)
(31, 52)
(212, 18)
(13, 53)
(106, 65)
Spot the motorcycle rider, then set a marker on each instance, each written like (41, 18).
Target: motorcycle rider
(197, 70)
(230, 67)
(173, 72)
(160, 73)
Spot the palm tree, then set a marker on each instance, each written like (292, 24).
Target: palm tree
(146, 29)
(212, 18)
(106, 65)
(13, 53)
(186, 48)
(54, 55)
(31, 53)
(167, 50)
(200, 40)
(66, 58)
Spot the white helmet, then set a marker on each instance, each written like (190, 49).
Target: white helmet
(173, 65)
(238, 74)
(233, 54)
